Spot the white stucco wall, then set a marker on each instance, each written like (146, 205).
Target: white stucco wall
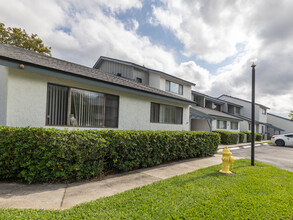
(27, 97)
(199, 125)
(155, 81)
(214, 126)
(3, 94)
(285, 124)
(244, 126)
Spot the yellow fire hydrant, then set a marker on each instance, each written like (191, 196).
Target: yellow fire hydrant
(227, 160)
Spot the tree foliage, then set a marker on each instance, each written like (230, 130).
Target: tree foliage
(19, 38)
(291, 115)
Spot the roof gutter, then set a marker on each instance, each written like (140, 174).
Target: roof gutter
(87, 80)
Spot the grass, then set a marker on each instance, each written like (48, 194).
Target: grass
(270, 143)
(259, 192)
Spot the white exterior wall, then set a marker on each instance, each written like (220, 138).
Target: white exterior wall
(262, 118)
(244, 126)
(285, 124)
(155, 81)
(214, 126)
(199, 125)
(27, 99)
(3, 94)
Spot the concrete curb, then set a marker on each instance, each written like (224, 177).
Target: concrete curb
(243, 147)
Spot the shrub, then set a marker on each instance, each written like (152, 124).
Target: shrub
(228, 137)
(52, 155)
(257, 137)
(241, 137)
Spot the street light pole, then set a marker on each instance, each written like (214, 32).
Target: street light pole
(252, 113)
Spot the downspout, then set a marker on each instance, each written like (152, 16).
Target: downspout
(210, 124)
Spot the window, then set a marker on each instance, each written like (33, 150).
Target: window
(57, 102)
(209, 104)
(263, 111)
(139, 80)
(221, 124)
(262, 129)
(217, 107)
(289, 135)
(166, 114)
(249, 126)
(77, 107)
(234, 125)
(237, 110)
(174, 87)
(231, 109)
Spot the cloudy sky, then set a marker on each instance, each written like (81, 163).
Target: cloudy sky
(210, 43)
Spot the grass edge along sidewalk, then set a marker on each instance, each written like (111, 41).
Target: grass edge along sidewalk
(254, 192)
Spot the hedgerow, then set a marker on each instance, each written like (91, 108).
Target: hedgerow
(257, 136)
(228, 137)
(241, 137)
(52, 155)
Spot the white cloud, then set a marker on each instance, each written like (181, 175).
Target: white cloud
(81, 31)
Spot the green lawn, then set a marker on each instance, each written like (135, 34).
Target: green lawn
(259, 192)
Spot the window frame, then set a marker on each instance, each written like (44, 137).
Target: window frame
(159, 107)
(233, 122)
(69, 107)
(218, 123)
(168, 87)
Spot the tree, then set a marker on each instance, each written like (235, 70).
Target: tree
(291, 115)
(19, 38)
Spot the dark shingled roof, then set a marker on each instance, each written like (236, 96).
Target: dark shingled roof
(215, 113)
(243, 100)
(100, 60)
(9, 52)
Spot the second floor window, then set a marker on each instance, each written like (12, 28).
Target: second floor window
(263, 111)
(174, 87)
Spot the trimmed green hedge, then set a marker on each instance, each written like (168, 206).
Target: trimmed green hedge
(241, 137)
(52, 155)
(228, 137)
(257, 137)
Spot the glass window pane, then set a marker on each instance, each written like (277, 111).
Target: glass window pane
(155, 112)
(180, 89)
(57, 104)
(87, 108)
(112, 111)
(167, 85)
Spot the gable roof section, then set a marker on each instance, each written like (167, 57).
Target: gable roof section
(13, 56)
(216, 100)
(196, 114)
(100, 60)
(216, 114)
(280, 117)
(243, 100)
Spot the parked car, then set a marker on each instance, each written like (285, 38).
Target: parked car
(283, 140)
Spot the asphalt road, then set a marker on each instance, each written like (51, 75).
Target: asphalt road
(281, 157)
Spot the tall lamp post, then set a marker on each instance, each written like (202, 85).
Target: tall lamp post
(252, 112)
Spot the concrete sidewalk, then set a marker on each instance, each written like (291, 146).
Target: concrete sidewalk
(64, 196)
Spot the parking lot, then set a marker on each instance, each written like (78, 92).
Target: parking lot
(281, 157)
